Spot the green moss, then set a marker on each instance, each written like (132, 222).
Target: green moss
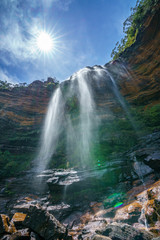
(13, 164)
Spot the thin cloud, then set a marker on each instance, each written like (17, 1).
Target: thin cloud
(14, 36)
(20, 21)
(17, 36)
(5, 76)
(61, 4)
(64, 4)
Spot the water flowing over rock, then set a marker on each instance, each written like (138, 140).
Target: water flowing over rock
(52, 127)
(99, 157)
(76, 115)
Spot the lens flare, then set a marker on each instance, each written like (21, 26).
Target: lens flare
(119, 204)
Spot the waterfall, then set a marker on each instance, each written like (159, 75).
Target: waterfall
(53, 125)
(88, 117)
(80, 136)
(121, 100)
(74, 112)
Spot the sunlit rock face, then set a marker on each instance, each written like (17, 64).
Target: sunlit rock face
(145, 208)
(143, 60)
(136, 75)
(22, 110)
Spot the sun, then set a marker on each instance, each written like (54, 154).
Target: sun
(44, 42)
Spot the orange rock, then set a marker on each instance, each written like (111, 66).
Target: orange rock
(86, 218)
(96, 207)
(28, 199)
(8, 226)
(155, 229)
(19, 217)
(123, 213)
(21, 234)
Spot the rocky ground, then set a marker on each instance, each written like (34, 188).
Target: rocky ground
(118, 201)
(140, 219)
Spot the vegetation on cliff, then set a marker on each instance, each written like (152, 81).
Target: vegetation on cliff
(22, 125)
(134, 24)
(48, 84)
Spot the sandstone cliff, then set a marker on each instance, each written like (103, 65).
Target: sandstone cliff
(22, 111)
(143, 60)
(23, 108)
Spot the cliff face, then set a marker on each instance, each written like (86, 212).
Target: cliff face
(137, 74)
(24, 106)
(22, 110)
(143, 59)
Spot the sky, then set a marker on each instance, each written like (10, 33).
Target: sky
(83, 32)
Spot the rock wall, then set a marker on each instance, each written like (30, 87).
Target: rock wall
(143, 61)
(23, 109)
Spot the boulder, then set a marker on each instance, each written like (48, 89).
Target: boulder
(18, 219)
(34, 236)
(100, 237)
(23, 234)
(125, 232)
(44, 224)
(6, 237)
(153, 160)
(5, 225)
(129, 213)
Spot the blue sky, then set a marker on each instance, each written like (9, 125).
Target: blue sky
(84, 33)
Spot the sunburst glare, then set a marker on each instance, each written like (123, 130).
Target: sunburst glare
(45, 42)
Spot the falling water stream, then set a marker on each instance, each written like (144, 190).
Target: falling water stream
(121, 100)
(53, 125)
(142, 218)
(80, 135)
(81, 129)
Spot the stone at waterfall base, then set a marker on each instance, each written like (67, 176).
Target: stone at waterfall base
(18, 219)
(5, 225)
(125, 232)
(19, 235)
(35, 224)
(45, 224)
(100, 237)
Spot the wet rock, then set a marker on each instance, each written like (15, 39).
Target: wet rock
(89, 226)
(130, 213)
(142, 169)
(82, 185)
(23, 207)
(44, 224)
(18, 219)
(100, 237)
(153, 160)
(60, 211)
(5, 225)
(34, 236)
(6, 237)
(94, 225)
(145, 210)
(150, 213)
(125, 232)
(23, 234)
